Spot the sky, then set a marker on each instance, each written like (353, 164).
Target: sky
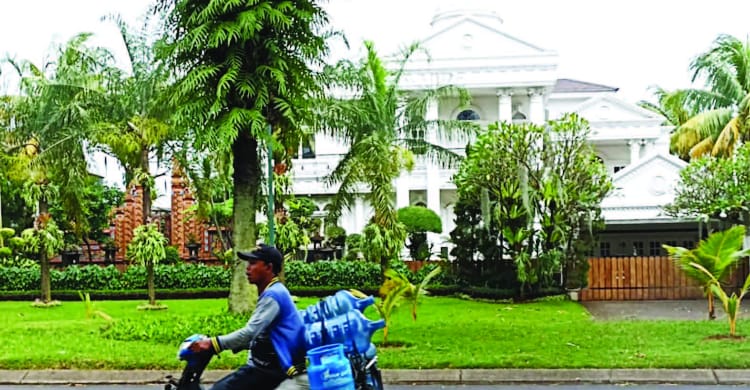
(631, 44)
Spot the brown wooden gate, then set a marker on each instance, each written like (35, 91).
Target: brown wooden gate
(637, 278)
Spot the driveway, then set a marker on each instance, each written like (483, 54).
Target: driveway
(655, 310)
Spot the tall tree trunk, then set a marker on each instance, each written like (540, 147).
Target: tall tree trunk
(242, 295)
(151, 289)
(147, 219)
(146, 187)
(46, 293)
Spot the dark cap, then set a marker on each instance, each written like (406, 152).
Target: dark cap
(266, 253)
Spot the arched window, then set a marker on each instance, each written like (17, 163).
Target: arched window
(467, 115)
(519, 116)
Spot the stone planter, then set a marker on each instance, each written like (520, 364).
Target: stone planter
(574, 294)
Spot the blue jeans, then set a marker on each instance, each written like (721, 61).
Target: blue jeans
(249, 378)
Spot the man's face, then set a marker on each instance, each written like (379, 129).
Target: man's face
(258, 271)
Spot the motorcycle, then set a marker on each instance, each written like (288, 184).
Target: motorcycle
(334, 325)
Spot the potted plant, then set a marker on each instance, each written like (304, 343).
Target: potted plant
(192, 246)
(109, 248)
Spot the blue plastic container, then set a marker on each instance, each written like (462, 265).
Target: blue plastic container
(341, 302)
(329, 369)
(353, 330)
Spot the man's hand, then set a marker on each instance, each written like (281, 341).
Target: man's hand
(201, 346)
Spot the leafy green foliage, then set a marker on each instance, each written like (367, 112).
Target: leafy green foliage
(331, 273)
(171, 255)
(710, 264)
(353, 247)
(478, 258)
(721, 110)
(714, 188)
(335, 235)
(418, 221)
(147, 248)
(385, 128)
(545, 186)
(147, 245)
(395, 288)
(348, 274)
(382, 244)
(167, 329)
(712, 260)
(48, 239)
(244, 66)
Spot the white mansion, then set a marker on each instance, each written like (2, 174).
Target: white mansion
(513, 80)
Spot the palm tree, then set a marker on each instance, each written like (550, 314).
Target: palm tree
(384, 128)
(135, 128)
(52, 119)
(723, 117)
(716, 256)
(243, 66)
(672, 105)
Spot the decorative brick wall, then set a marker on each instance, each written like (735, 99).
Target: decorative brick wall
(179, 227)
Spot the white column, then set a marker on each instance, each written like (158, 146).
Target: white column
(433, 171)
(359, 214)
(433, 174)
(635, 150)
(402, 190)
(536, 105)
(647, 147)
(504, 108)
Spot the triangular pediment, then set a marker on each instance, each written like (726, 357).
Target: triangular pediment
(610, 108)
(468, 37)
(650, 181)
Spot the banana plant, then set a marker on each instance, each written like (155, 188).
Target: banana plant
(730, 303)
(397, 288)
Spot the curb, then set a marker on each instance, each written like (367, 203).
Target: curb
(411, 377)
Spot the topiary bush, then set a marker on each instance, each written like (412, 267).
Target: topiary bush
(419, 221)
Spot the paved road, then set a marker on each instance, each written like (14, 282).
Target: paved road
(431, 387)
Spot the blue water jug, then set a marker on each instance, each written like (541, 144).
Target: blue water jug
(352, 329)
(339, 303)
(329, 369)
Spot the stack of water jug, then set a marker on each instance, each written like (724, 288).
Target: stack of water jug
(335, 332)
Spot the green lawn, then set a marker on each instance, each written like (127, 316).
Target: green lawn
(449, 332)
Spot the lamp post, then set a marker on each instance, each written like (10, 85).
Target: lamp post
(269, 146)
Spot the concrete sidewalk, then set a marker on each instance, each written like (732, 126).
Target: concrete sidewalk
(448, 376)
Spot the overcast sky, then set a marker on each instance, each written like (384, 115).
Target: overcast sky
(627, 44)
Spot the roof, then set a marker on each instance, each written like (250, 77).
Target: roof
(571, 86)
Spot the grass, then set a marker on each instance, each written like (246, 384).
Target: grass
(449, 333)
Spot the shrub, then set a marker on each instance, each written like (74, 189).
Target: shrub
(172, 255)
(336, 235)
(353, 246)
(332, 273)
(168, 330)
(419, 221)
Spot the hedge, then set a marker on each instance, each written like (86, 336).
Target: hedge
(187, 276)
